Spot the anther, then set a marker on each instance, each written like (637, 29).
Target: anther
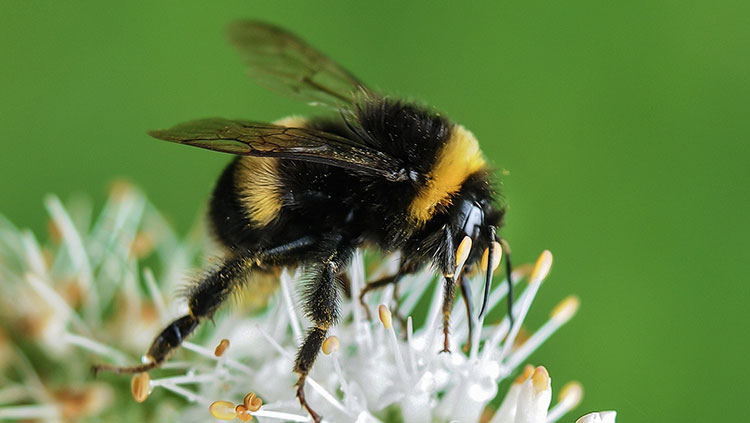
(497, 254)
(541, 267)
(139, 386)
(540, 379)
(463, 250)
(330, 345)
(222, 410)
(242, 413)
(385, 316)
(571, 394)
(566, 309)
(251, 402)
(528, 370)
(221, 348)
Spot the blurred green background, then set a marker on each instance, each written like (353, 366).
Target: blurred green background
(624, 126)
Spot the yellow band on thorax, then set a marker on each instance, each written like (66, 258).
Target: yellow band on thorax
(457, 160)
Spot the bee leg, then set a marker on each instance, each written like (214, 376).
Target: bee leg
(203, 300)
(466, 295)
(508, 272)
(449, 293)
(377, 284)
(406, 267)
(321, 306)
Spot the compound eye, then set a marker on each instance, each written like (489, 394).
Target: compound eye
(474, 221)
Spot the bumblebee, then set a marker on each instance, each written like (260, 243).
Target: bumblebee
(381, 172)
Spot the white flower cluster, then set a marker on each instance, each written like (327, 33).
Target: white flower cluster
(373, 370)
(378, 371)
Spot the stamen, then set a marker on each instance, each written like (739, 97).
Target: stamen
(185, 379)
(222, 410)
(74, 244)
(286, 293)
(330, 345)
(385, 316)
(357, 279)
(139, 386)
(528, 370)
(221, 348)
(462, 253)
(93, 346)
(327, 395)
(540, 379)
(252, 402)
(242, 413)
(156, 296)
(560, 315)
(541, 267)
(410, 343)
(497, 255)
(30, 413)
(340, 374)
(566, 309)
(287, 417)
(419, 284)
(570, 396)
(57, 303)
(189, 395)
(432, 319)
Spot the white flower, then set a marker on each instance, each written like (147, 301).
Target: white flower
(88, 294)
(601, 417)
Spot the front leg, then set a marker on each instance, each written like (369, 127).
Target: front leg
(466, 295)
(449, 293)
(321, 298)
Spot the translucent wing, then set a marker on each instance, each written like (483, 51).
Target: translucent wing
(266, 140)
(282, 62)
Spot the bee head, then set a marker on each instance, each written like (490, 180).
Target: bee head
(475, 222)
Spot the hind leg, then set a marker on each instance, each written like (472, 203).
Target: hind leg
(321, 306)
(205, 298)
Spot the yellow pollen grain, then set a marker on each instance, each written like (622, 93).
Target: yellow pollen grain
(540, 379)
(528, 370)
(330, 345)
(463, 250)
(143, 245)
(222, 410)
(497, 254)
(566, 309)
(522, 336)
(242, 413)
(252, 402)
(385, 316)
(139, 386)
(542, 266)
(459, 158)
(55, 234)
(571, 393)
(221, 348)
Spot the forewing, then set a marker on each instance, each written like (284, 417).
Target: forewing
(265, 140)
(281, 61)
